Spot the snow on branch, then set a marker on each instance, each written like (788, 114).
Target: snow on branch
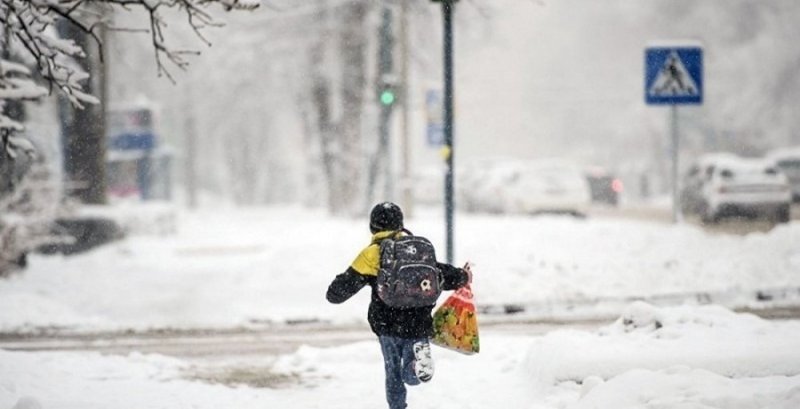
(30, 28)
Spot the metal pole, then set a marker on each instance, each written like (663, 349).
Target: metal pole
(447, 10)
(676, 212)
(386, 62)
(383, 156)
(385, 153)
(407, 194)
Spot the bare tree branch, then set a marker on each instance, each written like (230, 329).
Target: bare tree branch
(30, 28)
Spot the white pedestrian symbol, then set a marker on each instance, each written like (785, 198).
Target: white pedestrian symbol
(673, 79)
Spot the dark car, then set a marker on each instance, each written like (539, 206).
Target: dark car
(604, 187)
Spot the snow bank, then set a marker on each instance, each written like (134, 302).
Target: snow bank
(681, 387)
(644, 337)
(677, 357)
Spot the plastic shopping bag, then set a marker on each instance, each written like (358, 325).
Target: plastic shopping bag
(455, 323)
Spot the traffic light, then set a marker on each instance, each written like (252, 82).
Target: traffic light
(387, 90)
(388, 96)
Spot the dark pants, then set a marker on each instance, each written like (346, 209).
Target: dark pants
(398, 360)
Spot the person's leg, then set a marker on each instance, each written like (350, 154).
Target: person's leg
(409, 361)
(392, 349)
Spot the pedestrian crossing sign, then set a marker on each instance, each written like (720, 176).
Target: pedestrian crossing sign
(674, 75)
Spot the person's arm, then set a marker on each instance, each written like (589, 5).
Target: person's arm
(453, 278)
(356, 276)
(345, 285)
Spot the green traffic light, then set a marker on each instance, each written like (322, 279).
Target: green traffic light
(387, 97)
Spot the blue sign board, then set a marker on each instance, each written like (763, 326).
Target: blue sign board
(435, 134)
(435, 125)
(144, 141)
(673, 75)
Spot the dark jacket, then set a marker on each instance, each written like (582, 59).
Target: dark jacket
(385, 320)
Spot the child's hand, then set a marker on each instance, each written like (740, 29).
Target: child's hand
(468, 269)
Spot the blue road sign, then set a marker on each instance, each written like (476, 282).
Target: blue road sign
(673, 75)
(435, 133)
(144, 141)
(435, 124)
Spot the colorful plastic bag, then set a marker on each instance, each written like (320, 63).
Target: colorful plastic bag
(455, 323)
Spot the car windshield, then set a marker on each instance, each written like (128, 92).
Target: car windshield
(790, 164)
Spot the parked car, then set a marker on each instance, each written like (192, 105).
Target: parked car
(491, 187)
(695, 179)
(549, 186)
(604, 187)
(788, 161)
(750, 187)
(481, 184)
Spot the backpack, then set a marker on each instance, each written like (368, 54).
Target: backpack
(408, 276)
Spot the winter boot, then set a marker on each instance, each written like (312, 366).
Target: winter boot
(423, 363)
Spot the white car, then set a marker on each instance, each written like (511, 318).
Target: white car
(739, 186)
(788, 161)
(549, 186)
(482, 182)
(490, 187)
(699, 173)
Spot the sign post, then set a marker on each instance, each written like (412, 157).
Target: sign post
(674, 76)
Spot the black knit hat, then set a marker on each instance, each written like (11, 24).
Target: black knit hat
(385, 216)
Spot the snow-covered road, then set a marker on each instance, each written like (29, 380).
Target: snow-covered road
(215, 344)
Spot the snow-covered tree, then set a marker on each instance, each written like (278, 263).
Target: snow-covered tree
(31, 35)
(39, 57)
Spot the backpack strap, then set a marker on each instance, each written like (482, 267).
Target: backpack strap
(392, 236)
